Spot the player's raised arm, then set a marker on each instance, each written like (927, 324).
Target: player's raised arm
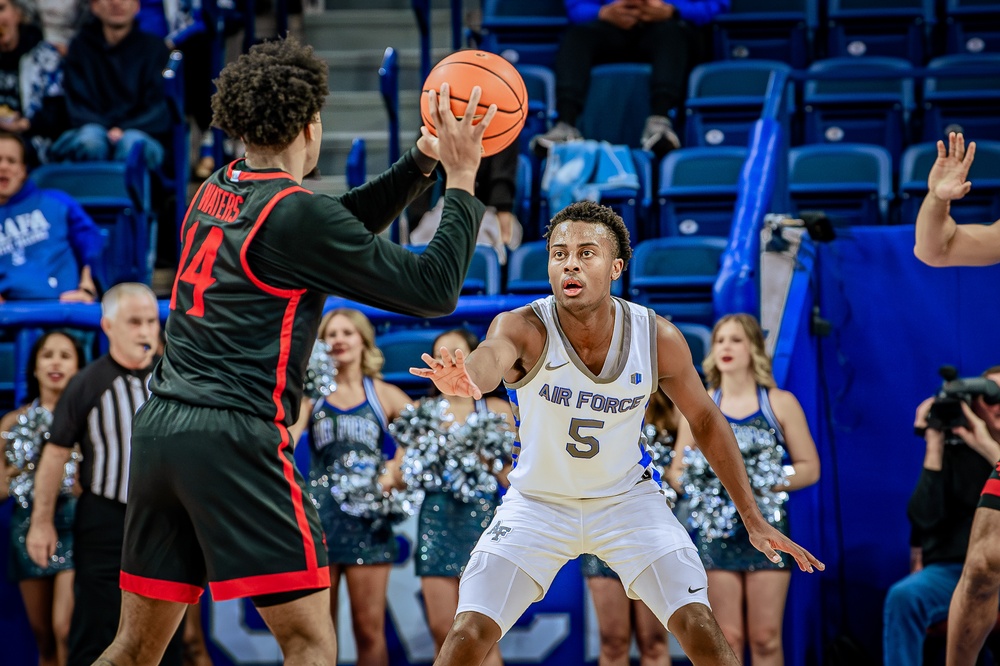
(714, 436)
(939, 240)
(504, 354)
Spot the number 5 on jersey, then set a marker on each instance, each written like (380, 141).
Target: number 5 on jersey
(590, 444)
(197, 272)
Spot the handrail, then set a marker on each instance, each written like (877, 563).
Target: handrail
(388, 74)
(422, 11)
(357, 173)
(456, 25)
(737, 287)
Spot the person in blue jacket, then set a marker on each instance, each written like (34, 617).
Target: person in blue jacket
(606, 31)
(48, 244)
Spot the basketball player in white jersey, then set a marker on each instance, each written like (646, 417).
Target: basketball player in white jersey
(580, 367)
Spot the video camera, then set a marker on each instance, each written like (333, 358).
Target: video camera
(946, 411)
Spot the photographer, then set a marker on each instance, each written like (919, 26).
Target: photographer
(957, 461)
(941, 242)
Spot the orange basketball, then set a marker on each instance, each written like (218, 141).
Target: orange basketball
(501, 85)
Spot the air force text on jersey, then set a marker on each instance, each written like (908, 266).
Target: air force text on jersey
(559, 395)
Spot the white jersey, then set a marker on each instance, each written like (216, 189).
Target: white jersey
(580, 434)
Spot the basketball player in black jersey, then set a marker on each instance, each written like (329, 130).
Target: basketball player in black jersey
(215, 493)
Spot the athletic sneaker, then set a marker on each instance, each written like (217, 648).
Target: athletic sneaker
(560, 133)
(659, 136)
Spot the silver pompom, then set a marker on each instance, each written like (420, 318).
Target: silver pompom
(712, 510)
(321, 373)
(442, 456)
(23, 448)
(354, 485)
(660, 445)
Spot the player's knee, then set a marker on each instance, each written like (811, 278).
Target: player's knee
(695, 621)
(475, 628)
(980, 574)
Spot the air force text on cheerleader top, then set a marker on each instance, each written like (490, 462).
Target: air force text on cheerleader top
(598, 402)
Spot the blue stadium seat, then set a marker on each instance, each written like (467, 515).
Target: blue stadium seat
(698, 189)
(980, 205)
(675, 276)
(523, 189)
(860, 110)
(851, 183)
(617, 103)
(972, 26)
(767, 29)
(483, 278)
(963, 96)
(523, 31)
(880, 28)
(116, 195)
(699, 340)
(541, 85)
(402, 350)
(528, 271)
(725, 99)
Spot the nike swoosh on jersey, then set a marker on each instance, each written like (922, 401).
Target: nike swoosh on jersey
(695, 589)
(549, 366)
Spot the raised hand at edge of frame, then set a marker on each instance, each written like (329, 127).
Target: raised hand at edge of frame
(947, 178)
(449, 374)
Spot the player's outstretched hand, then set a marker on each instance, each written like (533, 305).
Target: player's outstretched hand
(947, 179)
(449, 374)
(768, 540)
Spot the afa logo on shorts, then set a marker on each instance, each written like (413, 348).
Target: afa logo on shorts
(499, 531)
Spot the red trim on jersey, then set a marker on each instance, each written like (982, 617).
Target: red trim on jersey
(164, 590)
(185, 249)
(252, 586)
(260, 284)
(254, 175)
(992, 487)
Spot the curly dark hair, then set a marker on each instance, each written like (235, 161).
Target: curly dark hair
(270, 94)
(588, 211)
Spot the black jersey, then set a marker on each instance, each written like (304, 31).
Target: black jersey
(259, 255)
(95, 411)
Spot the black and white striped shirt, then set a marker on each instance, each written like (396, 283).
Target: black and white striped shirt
(95, 411)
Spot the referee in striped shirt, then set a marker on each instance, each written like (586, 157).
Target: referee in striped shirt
(96, 412)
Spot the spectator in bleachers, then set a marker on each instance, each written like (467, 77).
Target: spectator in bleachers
(48, 244)
(496, 186)
(32, 102)
(47, 591)
(747, 590)
(114, 88)
(181, 26)
(352, 453)
(940, 510)
(58, 19)
(606, 31)
(455, 511)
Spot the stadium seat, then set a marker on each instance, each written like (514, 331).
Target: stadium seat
(483, 278)
(725, 99)
(116, 195)
(541, 85)
(523, 188)
(851, 183)
(525, 32)
(675, 276)
(880, 28)
(962, 96)
(699, 340)
(698, 189)
(767, 29)
(980, 205)
(860, 110)
(402, 350)
(528, 271)
(617, 104)
(972, 26)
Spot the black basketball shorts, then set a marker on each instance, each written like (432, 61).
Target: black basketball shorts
(214, 496)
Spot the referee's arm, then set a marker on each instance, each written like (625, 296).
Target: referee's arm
(41, 539)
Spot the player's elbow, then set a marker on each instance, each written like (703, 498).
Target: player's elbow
(441, 306)
(936, 257)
